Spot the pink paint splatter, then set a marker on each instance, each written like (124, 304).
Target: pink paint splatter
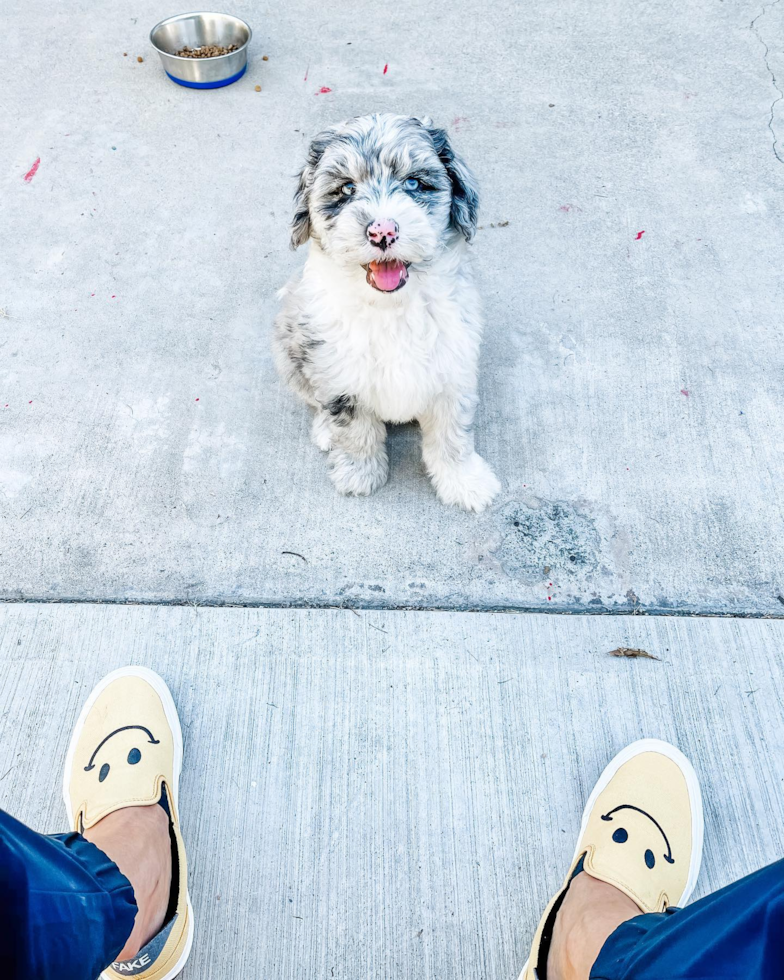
(685, 392)
(386, 69)
(306, 72)
(639, 235)
(569, 207)
(197, 399)
(33, 170)
(113, 296)
(30, 402)
(549, 598)
(323, 90)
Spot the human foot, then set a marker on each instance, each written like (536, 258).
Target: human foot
(121, 786)
(591, 911)
(639, 850)
(137, 840)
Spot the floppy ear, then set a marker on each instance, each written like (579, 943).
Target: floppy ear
(465, 192)
(300, 223)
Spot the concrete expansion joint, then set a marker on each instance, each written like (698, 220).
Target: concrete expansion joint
(659, 611)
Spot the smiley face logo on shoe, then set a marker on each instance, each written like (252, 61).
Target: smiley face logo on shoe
(621, 835)
(133, 756)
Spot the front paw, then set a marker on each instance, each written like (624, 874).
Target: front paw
(358, 477)
(469, 484)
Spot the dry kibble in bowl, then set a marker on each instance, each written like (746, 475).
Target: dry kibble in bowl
(206, 51)
(202, 50)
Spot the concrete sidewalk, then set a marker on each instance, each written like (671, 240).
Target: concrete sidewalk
(397, 794)
(372, 793)
(633, 371)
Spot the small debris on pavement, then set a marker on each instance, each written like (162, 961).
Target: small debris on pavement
(265, 57)
(32, 171)
(258, 88)
(140, 59)
(632, 652)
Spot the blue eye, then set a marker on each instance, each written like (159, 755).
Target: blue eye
(348, 189)
(412, 184)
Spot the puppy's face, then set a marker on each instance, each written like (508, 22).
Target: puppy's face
(382, 193)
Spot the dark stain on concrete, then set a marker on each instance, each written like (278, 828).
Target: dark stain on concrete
(538, 533)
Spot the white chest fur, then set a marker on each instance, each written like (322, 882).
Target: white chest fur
(396, 353)
(395, 359)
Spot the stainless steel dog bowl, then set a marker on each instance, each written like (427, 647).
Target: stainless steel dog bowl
(194, 31)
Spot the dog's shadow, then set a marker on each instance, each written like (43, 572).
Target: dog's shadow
(404, 446)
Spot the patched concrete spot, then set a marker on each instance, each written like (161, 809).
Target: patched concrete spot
(538, 534)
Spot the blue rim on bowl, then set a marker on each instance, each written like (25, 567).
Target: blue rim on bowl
(194, 30)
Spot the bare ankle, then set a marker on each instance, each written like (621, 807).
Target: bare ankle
(591, 911)
(137, 840)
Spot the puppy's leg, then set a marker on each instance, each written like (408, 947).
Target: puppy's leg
(358, 462)
(321, 430)
(459, 474)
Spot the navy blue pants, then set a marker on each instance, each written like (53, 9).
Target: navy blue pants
(67, 911)
(737, 932)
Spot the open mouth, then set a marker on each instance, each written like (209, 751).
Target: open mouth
(386, 277)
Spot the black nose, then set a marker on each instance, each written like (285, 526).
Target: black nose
(382, 234)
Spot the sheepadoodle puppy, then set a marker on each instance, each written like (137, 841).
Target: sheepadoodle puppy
(384, 322)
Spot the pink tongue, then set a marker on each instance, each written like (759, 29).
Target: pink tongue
(387, 275)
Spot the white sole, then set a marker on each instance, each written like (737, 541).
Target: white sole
(695, 801)
(160, 688)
